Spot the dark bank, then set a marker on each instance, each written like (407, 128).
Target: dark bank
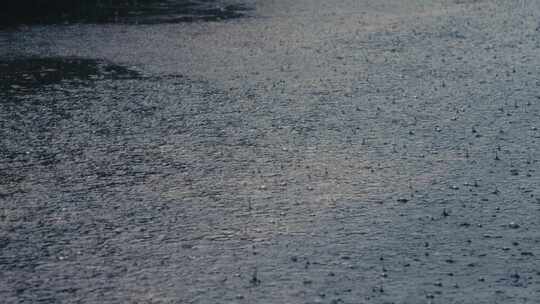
(117, 11)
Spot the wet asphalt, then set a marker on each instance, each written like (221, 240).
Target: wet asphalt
(298, 152)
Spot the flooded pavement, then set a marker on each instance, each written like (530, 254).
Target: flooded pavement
(345, 152)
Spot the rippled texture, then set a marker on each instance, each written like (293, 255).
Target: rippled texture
(319, 152)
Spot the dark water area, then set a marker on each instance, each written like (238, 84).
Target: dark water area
(24, 75)
(118, 11)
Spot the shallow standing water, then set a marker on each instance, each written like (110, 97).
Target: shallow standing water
(312, 152)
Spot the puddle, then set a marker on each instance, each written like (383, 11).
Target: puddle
(24, 75)
(122, 11)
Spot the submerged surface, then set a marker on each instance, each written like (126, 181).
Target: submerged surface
(352, 152)
(32, 74)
